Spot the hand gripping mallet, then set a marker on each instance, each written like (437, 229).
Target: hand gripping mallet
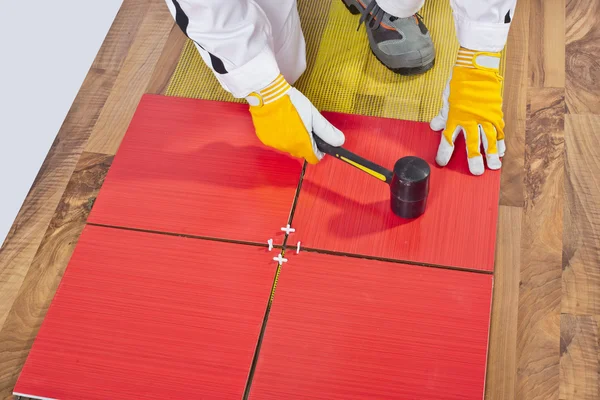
(409, 182)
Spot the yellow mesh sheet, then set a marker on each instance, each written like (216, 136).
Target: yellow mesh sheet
(342, 74)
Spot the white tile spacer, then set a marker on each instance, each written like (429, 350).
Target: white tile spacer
(288, 229)
(270, 241)
(280, 259)
(298, 248)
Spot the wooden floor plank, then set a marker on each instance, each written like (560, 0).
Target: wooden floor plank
(133, 79)
(581, 256)
(538, 331)
(30, 224)
(547, 43)
(500, 382)
(579, 353)
(42, 279)
(167, 62)
(121, 35)
(515, 108)
(583, 47)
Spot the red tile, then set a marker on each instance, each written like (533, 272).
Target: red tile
(196, 167)
(141, 315)
(343, 209)
(348, 328)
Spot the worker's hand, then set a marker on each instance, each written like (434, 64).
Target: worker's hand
(473, 105)
(284, 119)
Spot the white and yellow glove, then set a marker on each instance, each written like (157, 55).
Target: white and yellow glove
(285, 119)
(473, 105)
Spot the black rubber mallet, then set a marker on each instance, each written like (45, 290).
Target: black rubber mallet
(409, 182)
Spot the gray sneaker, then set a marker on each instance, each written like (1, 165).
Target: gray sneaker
(403, 45)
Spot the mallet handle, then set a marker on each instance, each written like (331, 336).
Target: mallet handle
(356, 161)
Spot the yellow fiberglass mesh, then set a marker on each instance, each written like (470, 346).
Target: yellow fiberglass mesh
(342, 75)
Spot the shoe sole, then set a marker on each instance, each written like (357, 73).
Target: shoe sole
(405, 71)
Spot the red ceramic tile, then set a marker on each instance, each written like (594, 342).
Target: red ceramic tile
(343, 209)
(347, 328)
(196, 167)
(148, 316)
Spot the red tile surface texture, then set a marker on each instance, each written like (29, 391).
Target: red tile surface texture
(196, 167)
(150, 316)
(347, 328)
(343, 209)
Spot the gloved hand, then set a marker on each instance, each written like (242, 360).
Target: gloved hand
(284, 119)
(473, 105)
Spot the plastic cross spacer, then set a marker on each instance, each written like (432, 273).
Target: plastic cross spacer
(280, 259)
(270, 241)
(288, 229)
(298, 248)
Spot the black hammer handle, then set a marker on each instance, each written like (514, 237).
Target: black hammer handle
(355, 160)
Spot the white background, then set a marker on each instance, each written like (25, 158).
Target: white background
(46, 50)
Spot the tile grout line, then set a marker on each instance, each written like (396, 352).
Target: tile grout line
(273, 288)
(396, 261)
(295, 202)
(282, 249)
(308, 249)
(184, 235)
(260, 338)
(333, 253)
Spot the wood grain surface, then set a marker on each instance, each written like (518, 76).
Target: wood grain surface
(214, 178)
(538, 332)
(343, 209)
(579, 365)
(515, 108)
(134, 76)
(547, 43)
(47, 268)
(151, 316)
(167, 62)
(582, 49)
(348, 328)
(581, 256)
(500, 380)
(121, 35)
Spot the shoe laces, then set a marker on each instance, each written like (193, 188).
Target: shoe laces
(373, 16)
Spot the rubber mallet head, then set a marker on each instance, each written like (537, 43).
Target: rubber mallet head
(409, 187)
(409, 182)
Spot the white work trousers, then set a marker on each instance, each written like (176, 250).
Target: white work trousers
(247, 43)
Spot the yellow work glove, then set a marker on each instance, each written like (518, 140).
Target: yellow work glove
(473, 105)
(285, 119)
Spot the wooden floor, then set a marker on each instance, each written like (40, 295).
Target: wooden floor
(546, 311)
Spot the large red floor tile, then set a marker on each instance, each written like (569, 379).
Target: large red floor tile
(347, 328)
(343, 209)
(196, 167)
(147, 316)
